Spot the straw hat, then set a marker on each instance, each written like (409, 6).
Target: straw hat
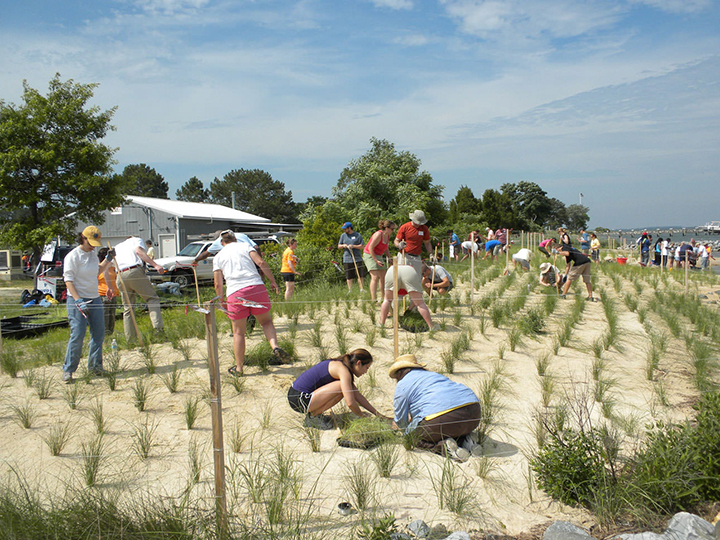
(402, 362)
(545, 268)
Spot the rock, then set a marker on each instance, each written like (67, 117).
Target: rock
(400, 536)
(459, 536)
(438, 532)
(717, 530)
(564, 530)
(702, 296)
(643, 536)
(419, 528)
(684, 526)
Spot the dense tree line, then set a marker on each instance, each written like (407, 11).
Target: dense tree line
(55, 171)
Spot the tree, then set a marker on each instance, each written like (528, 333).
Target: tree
(498, 210)
(577, 217)
(54, 169)
(255, 192)
(531, 204)
(143, 181)
(312, 202)
(193, 191)
(558, 214)
(387, 184)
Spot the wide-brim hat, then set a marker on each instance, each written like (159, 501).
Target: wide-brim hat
(402, 362)
(418, 216)
(93, 235)
(545, 268)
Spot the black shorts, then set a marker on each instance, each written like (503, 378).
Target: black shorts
(350, 270)
(288, 276)
(299, 401)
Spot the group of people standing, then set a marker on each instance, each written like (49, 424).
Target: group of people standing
(92, 281)
(669, 254)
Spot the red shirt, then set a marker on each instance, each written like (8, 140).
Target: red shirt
(413, 236)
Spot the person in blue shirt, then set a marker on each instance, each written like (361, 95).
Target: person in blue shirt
(584, 240)
(492, 248)
(644, 243)
(442, 413)
(454, 246)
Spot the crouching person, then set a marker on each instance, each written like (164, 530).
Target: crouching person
(443, 413)
(324, 385)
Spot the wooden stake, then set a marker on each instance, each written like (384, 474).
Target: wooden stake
(557, 272)
(127, 296)
(217, 425)
(687, 269)
(197, 287)
(357, 273)
(472, 268)
(396, 319)
(442, 253)
(432, 279)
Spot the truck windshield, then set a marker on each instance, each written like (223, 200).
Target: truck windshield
(191, 250)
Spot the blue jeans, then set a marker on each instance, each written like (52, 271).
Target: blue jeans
(644, 257)
(78, 324)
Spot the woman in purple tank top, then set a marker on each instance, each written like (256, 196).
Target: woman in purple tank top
(325, 384)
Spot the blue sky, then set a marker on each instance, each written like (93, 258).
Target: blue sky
(619, 100)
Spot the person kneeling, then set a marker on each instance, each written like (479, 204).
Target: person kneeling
(441, 412)
(324, 385)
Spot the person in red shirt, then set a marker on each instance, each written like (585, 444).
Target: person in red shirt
(411, 237)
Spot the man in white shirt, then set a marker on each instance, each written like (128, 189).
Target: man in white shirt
(237, 265)
(523, 257)
(130, 256)
(437, 278)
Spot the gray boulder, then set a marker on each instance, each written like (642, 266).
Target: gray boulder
(419, 528)
(682, 526)
(564, 530)
(400, 536)
(458, 536)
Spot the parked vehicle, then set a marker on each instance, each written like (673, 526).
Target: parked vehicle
(178, 268)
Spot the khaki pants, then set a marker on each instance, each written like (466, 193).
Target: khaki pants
(136, 282)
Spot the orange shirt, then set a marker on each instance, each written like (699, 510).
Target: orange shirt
(413, 236)
(102, 286)
(287, 258)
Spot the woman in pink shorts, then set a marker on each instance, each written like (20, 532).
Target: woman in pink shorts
(236, 264)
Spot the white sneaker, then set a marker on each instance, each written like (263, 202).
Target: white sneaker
(67, 377)
(468, 443)
(453, 451)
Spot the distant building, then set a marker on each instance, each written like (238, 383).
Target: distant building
(173, 224)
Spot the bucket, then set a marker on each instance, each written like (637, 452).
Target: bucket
(622, 260)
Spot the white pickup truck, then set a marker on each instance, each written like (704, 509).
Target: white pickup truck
(179, 267)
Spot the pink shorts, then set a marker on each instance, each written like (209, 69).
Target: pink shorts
(256, 293)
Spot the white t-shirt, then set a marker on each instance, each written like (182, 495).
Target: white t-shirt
(125, 252)
(240, 237)
(82, 267)
(237, 266)
(440, 274)
(468, 244)
(524, 254)
(664, 248)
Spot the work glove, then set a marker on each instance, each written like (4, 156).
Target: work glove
(110, 255)
(402, 245)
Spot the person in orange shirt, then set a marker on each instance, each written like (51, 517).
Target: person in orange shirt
(108, 300)
(288, 270)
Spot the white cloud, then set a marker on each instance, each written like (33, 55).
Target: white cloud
(677, 6)
(412, 40)
(531, 19)
(394, 4)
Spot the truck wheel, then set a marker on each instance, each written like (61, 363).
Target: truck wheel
(183, 279)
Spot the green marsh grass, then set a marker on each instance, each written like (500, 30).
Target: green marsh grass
(140, 393)
(57, 437)
(542, 361)
(98, 417)
(194, 461)
(143, 437)
(171, 379)
(43, 385)
(359, 483)
(236, 436)
(191, 411)
(24, 414)
(73, 394)
(386, 457)
(453, 489)
(92, 457)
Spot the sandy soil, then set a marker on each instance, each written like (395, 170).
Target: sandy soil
(506, 499)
